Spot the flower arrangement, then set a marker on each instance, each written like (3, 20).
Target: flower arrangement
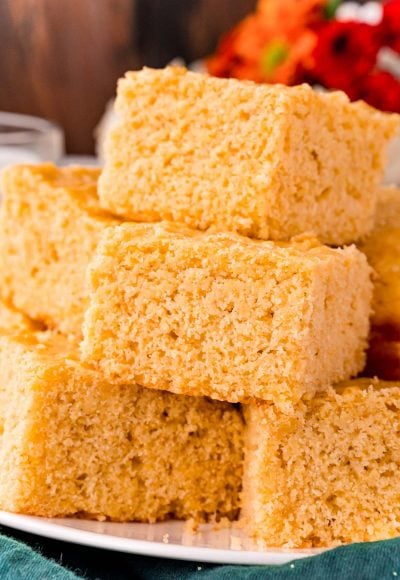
(334, 44)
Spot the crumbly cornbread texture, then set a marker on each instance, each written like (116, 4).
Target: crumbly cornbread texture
(225, 316)
(382, 248)
(72, 444)
(266, 161)
(49, 226)
(328, 473)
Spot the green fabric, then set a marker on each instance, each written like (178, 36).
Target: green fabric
(375, 561)
(19, 561)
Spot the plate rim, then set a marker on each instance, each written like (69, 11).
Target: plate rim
(53, 528)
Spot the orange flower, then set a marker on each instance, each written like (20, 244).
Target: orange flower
(289, 16)
(270, 44)
(289, 70)
(238, 54)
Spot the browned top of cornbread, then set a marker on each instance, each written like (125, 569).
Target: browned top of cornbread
(12, 319)
(80, 181)
(349, 389)
(52, 348)
(175, 78)
(363, 383)
(305, 246)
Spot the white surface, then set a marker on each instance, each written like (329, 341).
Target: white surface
(369, 13)
(165, 540)
(24, 138)
(90, 160)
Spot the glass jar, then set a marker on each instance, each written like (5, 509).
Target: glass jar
(26, 139)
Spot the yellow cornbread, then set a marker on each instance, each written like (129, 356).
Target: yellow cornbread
(49, 226)
(328, 473)
(388, 208)
(12, 319)
(225, 316)
(266, 161)
(382, 249)
(72, 444)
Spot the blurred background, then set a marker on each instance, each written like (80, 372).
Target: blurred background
(60, 59)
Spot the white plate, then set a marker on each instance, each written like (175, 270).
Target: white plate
(170, 539)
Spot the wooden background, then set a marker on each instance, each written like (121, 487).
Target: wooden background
(60, 59)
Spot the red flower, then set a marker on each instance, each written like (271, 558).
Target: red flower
(390, 25)
(381, 90)
(345, 52)
(270, 44)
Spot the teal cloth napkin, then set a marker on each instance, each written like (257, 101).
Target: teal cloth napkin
(374, 561)
(19, 561)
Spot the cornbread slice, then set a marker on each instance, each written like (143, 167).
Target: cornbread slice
(50, 223)
(328, 473)
(382, 248)
(266, 161)
(75, 445)
(225, 316)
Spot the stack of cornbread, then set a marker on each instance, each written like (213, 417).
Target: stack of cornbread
(177, 341)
